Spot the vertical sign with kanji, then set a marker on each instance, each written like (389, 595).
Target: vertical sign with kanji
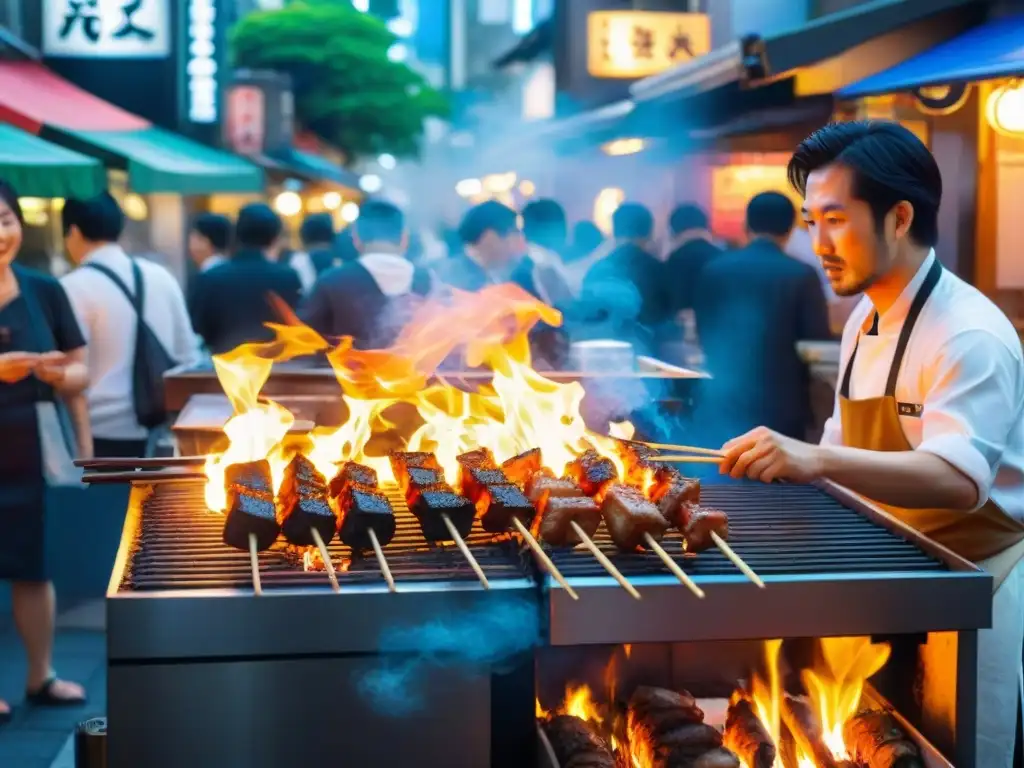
(106, 29)
(635, 44)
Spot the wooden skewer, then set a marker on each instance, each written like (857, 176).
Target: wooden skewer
(326, 557)
(603, 560)
(465, 551)
(544, 559)
(145, 477)
(673, 566)
(254, 561)
(382, 561)
(736, 560)
(689, 459)
(685, 449)
(128, 464)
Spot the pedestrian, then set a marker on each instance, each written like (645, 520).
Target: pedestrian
(209, 240)
(929, 414)
(318, 251)
(690, 249)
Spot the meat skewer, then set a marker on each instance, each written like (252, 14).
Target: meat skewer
(303, 512)
(683, 448)
(443, 514)
(365, 517)
(502, 506)
(876, 741)
(747, 737)
(250, 523)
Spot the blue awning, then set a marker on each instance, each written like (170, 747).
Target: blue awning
(993, 50)
(315, 168)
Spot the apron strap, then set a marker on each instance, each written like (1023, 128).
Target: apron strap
(925, 291)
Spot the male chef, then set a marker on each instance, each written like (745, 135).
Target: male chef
(929, 413)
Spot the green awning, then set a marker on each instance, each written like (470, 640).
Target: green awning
(37, 168)
(160, 161)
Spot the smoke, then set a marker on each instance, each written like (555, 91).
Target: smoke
(475, 640)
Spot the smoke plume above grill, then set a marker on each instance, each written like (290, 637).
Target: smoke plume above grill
(482, 638)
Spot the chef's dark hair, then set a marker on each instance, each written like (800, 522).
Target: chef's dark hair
(99, 219)
(380, 222)
(632, 221)
(258, 227)
(10, 196)
(490, 216)
(889, 164)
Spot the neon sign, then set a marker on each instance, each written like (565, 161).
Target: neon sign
(201, 66)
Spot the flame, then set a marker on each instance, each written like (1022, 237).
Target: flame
(835, 688)
(517, 410)
(579, 702)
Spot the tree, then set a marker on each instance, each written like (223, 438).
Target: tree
(347, 90)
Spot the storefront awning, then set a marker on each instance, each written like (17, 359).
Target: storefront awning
(314, 168)
(37, 168)
(160, 161)
(993, 50)
(31, 96)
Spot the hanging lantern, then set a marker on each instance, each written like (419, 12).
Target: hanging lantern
(1005, 108)
(940, 100)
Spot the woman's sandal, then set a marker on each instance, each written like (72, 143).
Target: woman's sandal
(44, 697)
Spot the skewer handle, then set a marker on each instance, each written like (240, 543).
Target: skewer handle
(689, 459)
(736, 559)
(673, 566)
(326, 557)
(549, 566)
(465, 551)
(382, 561)
(684, 449)
(254, 562)
(603, 560)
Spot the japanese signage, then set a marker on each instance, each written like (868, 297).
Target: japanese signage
(246, 119)
(106, 29)
(635, 44)
(258, 113)
(201, 62)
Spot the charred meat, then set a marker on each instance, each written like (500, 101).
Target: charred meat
(746, 736)
(481, 458)
(497, 505)
(352, 473)
(362, 509)
(473, 481)
(875, 740)
(519, 469)
(404, 461)
(250, 509)
(302, 505)
(559, 512)
(542, 485)
(702, 523)
(629, 515)
(666, 730)
(676, 500)
(430, 508)
(576, 745)
(592, 472)
(253, 476)
(420, 480)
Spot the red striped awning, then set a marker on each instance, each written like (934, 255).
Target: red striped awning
(32, 96)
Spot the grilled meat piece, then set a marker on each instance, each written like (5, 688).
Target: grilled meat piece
(403, 461)
(431, 505)
(519, 469)
(592, 472)
(419, 480)
(628, 515)
(253, 476)
(575, 744)
(557, 512)
(498, 504)
(248, 513)
(479, 457)
(747, 737)
(352, 472)
(474, 480)
(543, 484)
(875, 740)
(676, 500)
(702, 522)
(639, 461)
(302, 504)
(360, 510)
(666, 729)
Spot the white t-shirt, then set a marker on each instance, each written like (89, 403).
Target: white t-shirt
(108, 322)
(964, 367)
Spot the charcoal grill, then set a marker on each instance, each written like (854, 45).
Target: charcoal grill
(204, 673)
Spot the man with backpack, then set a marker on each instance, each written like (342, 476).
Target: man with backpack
(136, 326)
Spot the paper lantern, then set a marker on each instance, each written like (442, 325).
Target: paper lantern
(1005, 108)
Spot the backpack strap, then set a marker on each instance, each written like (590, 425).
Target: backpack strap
(135, 299)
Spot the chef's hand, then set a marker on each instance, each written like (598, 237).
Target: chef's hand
(51, 368)
(15, 366)
(764, 455)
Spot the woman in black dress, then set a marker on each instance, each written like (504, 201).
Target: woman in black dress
(42, 359)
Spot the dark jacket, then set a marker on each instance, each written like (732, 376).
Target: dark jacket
(229, 304)
(683, 268)
(369, 305)
(752, 307)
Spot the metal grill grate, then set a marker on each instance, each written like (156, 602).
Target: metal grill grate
(778, 530)
(179, 546)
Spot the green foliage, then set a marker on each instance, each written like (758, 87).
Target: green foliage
(346, 89)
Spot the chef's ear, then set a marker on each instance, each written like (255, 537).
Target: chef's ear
(903, 217)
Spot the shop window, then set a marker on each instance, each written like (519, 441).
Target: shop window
(732, 186)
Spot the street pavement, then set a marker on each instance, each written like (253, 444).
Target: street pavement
(41, 738)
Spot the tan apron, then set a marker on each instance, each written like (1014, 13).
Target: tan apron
(988, 536)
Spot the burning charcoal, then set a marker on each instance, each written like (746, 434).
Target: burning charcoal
(717, 758)
(404, 461)
(559, 511)
(667, 729)
(675, 501)
(628, 515)
(352, 472)
(592, 472)
(481, 457)
(498, 504)
(576, 744)
(298, 515)
(703, 521)
(420, 480)
(519, 469)
(250, 513)
(360, 510)
(875, 740)
(541, 485)
(747, 737)
(802, 724)
(253, 476)
(431, 505)
(473, 480)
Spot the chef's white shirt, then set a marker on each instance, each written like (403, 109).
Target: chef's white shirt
(963, 372)
(108, 321)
